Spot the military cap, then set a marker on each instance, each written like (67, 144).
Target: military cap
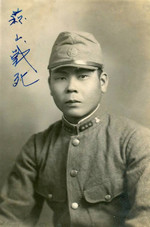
(78, 49)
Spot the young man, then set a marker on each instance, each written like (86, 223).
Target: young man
(92, 168)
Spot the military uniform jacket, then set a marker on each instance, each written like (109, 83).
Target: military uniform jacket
(94, 174)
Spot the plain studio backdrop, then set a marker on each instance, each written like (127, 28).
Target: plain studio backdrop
(123, 29)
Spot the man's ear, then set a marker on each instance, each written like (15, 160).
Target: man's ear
(104, 82)
(51, 93)
(49, 83)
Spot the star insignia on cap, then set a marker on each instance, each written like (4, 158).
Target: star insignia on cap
(72, 51)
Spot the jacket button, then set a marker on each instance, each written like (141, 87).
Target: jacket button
(75, 142)
(74, 206)
(107, 198)
(50, 196)
(73, 173)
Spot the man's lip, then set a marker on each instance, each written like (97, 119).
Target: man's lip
(73, 101)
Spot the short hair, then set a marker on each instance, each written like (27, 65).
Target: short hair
(100, 71)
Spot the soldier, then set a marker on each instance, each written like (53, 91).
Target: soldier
(92, 168)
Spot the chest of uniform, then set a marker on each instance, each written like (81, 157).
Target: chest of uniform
(86, 164)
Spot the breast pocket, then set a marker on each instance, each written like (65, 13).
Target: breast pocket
(104, 192)
(106, 203)
(52, 193)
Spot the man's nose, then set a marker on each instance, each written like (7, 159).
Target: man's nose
(72, 84)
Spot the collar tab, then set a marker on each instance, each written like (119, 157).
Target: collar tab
(84, 124)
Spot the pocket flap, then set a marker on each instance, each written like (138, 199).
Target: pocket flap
(104, 192)
(51, 193)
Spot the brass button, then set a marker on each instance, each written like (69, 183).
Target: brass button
(75, 142)
(50, 196)
(107, 197)
(74, 206)
(73, 173)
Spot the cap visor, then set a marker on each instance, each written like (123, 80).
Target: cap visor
(75, 65)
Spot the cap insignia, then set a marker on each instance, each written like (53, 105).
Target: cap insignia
(72, 52)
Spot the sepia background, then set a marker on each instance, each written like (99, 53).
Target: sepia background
(123, 29)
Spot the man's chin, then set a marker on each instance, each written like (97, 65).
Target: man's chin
(74, 116)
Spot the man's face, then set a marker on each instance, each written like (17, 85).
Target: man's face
(76, 91)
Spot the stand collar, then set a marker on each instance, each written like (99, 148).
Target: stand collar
(84, 124)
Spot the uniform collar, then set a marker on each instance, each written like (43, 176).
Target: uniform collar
(84, 124)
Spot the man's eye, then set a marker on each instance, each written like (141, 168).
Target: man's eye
(83, 76)
(60, 78)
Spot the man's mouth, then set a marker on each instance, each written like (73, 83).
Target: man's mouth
(73, 101)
